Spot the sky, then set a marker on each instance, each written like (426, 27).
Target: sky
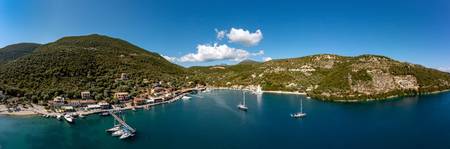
(207, 32)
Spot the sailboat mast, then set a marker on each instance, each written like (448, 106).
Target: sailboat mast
(301, 105)
(243, 96)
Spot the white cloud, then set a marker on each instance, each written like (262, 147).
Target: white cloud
(260, 52)
(244, 36)
(215, 52)
(169, 58)
(265, 59)
(220, 34)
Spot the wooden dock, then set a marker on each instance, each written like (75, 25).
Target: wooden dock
(123, 123)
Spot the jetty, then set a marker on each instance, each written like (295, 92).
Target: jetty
(122, 122)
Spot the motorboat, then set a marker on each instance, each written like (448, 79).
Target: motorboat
(68, 118)
(186, 97)
(104, 114)
(59, 117)
(126, 134)
(120, 132)
(114, 129)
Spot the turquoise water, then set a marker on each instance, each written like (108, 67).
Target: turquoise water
(211, 120)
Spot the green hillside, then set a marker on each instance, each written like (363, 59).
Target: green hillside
(94, 62)
(331, 77)
(16, 51)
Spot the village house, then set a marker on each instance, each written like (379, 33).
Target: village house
(57, 101)
(121, 95)
(80, 103)
(123, 76)
(139, 101)
(67, 108)
(86, 95)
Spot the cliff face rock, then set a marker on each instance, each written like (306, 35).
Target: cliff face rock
(382, 82)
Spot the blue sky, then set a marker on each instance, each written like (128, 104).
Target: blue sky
(408, 30)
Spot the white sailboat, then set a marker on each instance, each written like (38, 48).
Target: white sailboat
(258, 90)
(242, 105)
(299, 114)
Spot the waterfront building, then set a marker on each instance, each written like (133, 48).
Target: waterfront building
(93, 107)
(121, 95)
(68, 108)
(139, 101)
(104, 105)
(86, 95)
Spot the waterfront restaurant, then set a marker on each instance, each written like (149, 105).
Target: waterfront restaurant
(121, 96)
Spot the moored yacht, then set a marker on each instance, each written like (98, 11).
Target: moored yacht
(299, 114)
(242, 105)
(68, 118)
(186, 97)
(114, 129)
(258, 90)
(118, 133)
(58, 117)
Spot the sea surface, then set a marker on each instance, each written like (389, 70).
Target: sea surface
(211, 120)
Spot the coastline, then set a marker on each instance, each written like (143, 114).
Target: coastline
(38, 110)
(275, 92)
(338, 100)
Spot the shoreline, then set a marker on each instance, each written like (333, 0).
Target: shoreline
(339, 100)
(275, 92)
(33, 111)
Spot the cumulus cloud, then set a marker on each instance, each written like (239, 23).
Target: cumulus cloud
(245, 37)
(220, 34)
(208, 52)
(265, 59)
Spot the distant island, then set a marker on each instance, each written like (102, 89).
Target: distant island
(103, 66)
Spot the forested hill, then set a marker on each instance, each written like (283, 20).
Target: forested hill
(96, 63)
(16, 51)
(80, 63)
(332, 77)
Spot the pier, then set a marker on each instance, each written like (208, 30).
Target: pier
(123, 123)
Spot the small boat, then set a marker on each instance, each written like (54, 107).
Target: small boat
(242, 106)
(68, 118)
(126, 135)
(186, 97)
(299, 114)
(118, 133)
(114, 129)
(258, 90)
(134, 109)
(104, 114)
(308, 97)
(81, 115)
(59, 117)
